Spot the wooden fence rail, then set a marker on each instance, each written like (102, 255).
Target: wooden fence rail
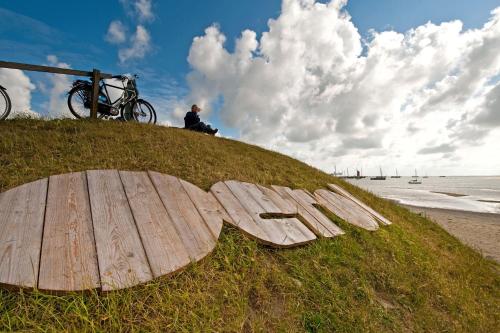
(95, 75)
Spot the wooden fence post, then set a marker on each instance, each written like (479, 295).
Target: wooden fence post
(96, 77)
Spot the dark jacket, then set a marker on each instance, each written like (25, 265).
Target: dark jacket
(191, 119)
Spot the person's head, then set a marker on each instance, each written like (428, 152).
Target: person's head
(195, 108)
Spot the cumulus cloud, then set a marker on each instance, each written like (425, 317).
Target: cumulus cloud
(19, 88)
(307, 88)
(142, 10)
(140, 45)
(116, 33)
(59, 85)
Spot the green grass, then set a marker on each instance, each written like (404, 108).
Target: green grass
(411, 276)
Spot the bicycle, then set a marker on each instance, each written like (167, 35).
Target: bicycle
(128, 106)
(5, 104)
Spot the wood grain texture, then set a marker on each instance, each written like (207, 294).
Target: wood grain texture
(22, 212)
(69, 260)
(164, 248)
(191, 228)
(320, 224)
(121, 256)
(278, 232)
(346, 209)
(348, 195)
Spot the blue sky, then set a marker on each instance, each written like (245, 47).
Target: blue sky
(75, 34)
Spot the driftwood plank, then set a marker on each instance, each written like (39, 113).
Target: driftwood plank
(121, 256)
(164, 249)
(192, 229)
(348, 195)
(346, 209)
(21, 225)
(68, 261)
(315, 220)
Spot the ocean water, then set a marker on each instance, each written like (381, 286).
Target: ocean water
(471, 189)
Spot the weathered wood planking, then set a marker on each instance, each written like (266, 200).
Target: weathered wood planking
(68, 261)
(164, 248)
(248, 201)
(315, 220)
(346, 209)
(21, 225)
(194, 232)
(121, 256)
(346, 194)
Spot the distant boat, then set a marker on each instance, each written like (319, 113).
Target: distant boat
(381, 177)
(397, 175)
(415, 180)
(426, 176)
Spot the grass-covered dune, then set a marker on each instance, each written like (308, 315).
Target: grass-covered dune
(411, 276)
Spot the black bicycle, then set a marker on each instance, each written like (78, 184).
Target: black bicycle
(5, 104)
(128, 106)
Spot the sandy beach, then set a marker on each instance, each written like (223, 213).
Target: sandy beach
(481, 231)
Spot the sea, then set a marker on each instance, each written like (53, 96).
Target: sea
(474, 194)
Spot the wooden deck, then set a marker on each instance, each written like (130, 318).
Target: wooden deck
(109, 229)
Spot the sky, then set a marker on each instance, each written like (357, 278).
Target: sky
(347, 84)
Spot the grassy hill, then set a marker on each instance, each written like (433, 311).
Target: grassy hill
(411, 276)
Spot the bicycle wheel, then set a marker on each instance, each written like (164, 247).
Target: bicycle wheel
(5, 104)
(79, 101)
(141, 111)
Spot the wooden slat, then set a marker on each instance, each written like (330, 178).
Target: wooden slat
(285, 206)
(192, 229)
(208, 207)
(68, 261)
(315, 220)
(346, 209)
(121, 256)
(285, 232)
(21, 226)
(289, 225)
(239, 216)
(164, 249)
(346, 194)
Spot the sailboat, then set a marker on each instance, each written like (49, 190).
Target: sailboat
(415, 180)
(381, 177)
(397, 175)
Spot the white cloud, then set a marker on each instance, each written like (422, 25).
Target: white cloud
(57, 106)
(140, 45)
(116, 33)
(142, 10)
(19, 88)
(306, 88)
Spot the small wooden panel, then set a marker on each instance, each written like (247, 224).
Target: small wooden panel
(346, 209)
(121, 256)
(346, 194)
(315, 220)
(278, 232)
(22, 212)
(208, 207)
(68, 261)
(194, 232)
(164, 248)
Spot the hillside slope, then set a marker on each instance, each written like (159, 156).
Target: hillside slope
(410, 276)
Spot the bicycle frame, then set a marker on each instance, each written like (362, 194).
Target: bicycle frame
(133, 94)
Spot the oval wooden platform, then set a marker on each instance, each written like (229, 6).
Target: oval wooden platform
(103, 230)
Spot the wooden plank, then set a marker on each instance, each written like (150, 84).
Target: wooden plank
(346, 209)
(314, 219)
(285, 206)
(286, 232)
(69, 260)
(22, 212)
(121, 257)
(346, 194)
(47, 69)
(209, 208)
(164, 248)
(192, 229)
(239, 216)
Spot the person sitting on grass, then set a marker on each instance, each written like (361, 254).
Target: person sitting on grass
(192, 122)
